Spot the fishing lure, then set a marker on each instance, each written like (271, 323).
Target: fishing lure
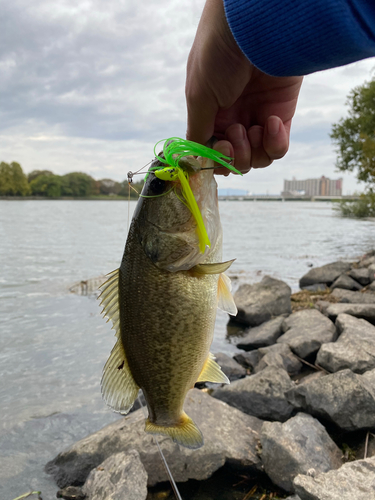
(178, 156)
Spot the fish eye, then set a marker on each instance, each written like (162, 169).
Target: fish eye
(157, 186)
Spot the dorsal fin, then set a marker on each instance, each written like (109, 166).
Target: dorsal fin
(119, 389)
(211, 372)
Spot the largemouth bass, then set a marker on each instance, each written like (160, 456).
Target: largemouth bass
(162, 302)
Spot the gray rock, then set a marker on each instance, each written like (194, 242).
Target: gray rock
(367, 261)
(247, 359)
(293, 497)
(363, 276)
(310, 377)
(296, 447)
(230, 367)
(346, 282)
(261, 395)
(122, 475)
(263, 335)
(278, 355)
(371, 287)
(306, 331)
(220, 424)
(354, 349)
(353, 481)
(349, 297)
(365, 311)
(260, 302)
(344, 397)
(324, 274)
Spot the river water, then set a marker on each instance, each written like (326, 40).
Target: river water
(53, 343)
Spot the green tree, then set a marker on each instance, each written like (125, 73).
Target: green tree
(13, 182)
(77, 184)
(108, 186)
(354, 136)
(46, 185)
(35, 173)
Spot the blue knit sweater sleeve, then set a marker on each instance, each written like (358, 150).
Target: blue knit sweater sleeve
(298, 37)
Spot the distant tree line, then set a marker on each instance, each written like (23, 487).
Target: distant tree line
(14, 182)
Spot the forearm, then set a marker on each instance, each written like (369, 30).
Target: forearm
(298, 37)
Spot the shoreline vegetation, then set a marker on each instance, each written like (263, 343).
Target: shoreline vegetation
(44, 184)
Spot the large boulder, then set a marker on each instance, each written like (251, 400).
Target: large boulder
(306, 330)
(346, 282)
(296, 447)
(122, 475)
(248, 360)
(229, 366)
(345, 398)
(364, 311)
(260, 302)
(346, 296)
(324, 274)
(278, 355)
(353, 481)
(261, 395)
(364, 276)
(263, 335)
(220, 425)
(354, 349)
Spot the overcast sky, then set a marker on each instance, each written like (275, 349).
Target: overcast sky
(91, 85)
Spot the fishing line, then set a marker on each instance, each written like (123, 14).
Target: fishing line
(167, 469)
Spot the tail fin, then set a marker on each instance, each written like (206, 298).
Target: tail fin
(185, 433)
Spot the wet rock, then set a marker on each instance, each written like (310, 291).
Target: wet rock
(278, 355)
(324, 274)
(263, 335)
(344, 397)
(220, 424)
(230, 367)
(71, 493)
(122, 475)
(364, 311)
(346, 282)
(354, 349)
(248, 360)
(261, 395)
(298, 446)
(306, 331)
(353, 481)
(260, 302)
(363, 276)
(349, 297)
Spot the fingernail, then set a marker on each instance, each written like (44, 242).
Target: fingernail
(273, 126)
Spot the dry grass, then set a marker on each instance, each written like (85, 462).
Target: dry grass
(305, 299)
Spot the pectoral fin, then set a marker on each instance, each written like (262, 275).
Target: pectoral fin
(215, 268)
(211, 372)
(119, 389)
(225, 300)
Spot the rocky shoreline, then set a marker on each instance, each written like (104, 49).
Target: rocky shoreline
(299, 412)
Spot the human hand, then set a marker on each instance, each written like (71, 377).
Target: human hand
(249, 111)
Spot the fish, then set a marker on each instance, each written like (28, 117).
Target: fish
(162, 300)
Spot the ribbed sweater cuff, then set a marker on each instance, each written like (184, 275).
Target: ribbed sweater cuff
(298, 37)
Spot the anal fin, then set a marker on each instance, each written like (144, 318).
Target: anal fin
(185, 433)
(212, 372)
